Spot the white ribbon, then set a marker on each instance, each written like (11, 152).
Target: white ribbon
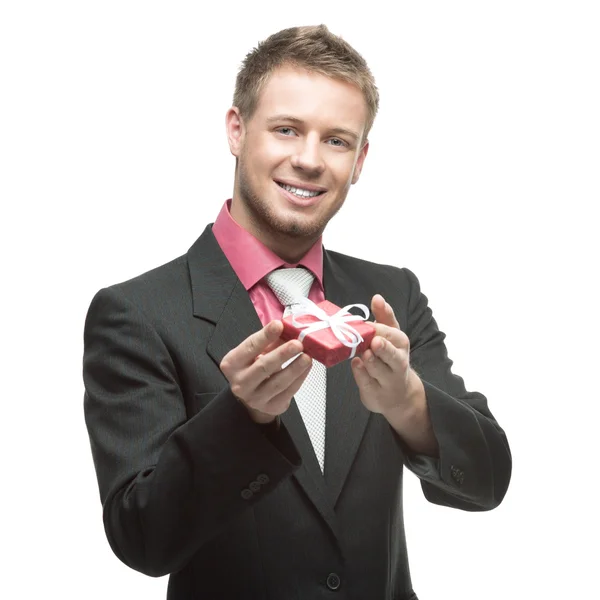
(338, 323)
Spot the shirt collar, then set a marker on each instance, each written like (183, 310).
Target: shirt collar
(238, 244)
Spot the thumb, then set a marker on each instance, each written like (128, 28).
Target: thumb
(383, 312)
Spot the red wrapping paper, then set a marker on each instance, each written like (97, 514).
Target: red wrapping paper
(323, 345)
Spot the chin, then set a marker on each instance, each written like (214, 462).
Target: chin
(298, 228)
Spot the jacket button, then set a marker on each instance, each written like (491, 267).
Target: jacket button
(254, 486)
(333, 581)
(247, 494)
(457, 474)
(263, 479)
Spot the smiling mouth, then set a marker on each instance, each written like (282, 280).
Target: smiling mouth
(299, 192)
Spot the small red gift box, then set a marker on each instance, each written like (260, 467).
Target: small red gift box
(323, 345)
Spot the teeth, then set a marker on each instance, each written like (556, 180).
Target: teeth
(299, 191)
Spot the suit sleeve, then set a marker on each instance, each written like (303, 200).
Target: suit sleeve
(167, 483)
(474, 465)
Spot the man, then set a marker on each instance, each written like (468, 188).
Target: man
(238, 477)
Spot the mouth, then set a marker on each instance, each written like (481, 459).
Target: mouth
(301, 196)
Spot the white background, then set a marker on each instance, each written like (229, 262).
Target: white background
(482, 178)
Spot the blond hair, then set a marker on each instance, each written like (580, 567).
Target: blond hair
(313, 48)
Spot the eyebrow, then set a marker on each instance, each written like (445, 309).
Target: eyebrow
(296, 120)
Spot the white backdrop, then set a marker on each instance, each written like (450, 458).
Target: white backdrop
(482, 178)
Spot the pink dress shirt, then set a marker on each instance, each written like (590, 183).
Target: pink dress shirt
(252, 261)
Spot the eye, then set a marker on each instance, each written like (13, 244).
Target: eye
(337, 142)
(286, 131)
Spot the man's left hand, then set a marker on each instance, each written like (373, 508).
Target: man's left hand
(383, 374)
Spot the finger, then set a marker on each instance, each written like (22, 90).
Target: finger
(397, 337)
(269, 364)
(363, 380)
(391, 315)
(383, 311)
(273, 345)
(245, 380)
(293, 381)
(378, 306)
(395, 358)
(377, 368)
(260, 341)
(283, 378)
(246, 353)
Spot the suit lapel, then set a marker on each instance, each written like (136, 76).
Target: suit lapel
(346, 415)
(220, 297)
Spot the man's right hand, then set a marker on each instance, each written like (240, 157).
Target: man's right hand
(256, 378)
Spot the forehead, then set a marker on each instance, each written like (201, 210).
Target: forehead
(312, 98)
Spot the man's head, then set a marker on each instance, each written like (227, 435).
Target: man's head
(304, 104)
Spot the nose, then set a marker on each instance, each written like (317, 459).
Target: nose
(307, 156)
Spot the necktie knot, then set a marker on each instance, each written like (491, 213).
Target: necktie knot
(289, 285)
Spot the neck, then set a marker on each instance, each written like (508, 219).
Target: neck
(290, 250)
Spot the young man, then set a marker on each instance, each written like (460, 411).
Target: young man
(243, 479)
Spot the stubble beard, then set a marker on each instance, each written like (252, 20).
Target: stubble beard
(266, 220)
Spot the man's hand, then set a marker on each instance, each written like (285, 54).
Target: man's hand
(388, 385)
(256, 378)
(382, 372)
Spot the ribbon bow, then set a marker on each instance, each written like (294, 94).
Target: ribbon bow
(338, 322)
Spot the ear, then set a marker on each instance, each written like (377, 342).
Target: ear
(360, 162)
(234, 126)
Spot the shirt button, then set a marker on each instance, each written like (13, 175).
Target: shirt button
(254, 486)
(333, 581)
(247, 494)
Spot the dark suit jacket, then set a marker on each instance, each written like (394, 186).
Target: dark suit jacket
(191, 486)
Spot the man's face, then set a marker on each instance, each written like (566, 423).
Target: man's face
(297, 157)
